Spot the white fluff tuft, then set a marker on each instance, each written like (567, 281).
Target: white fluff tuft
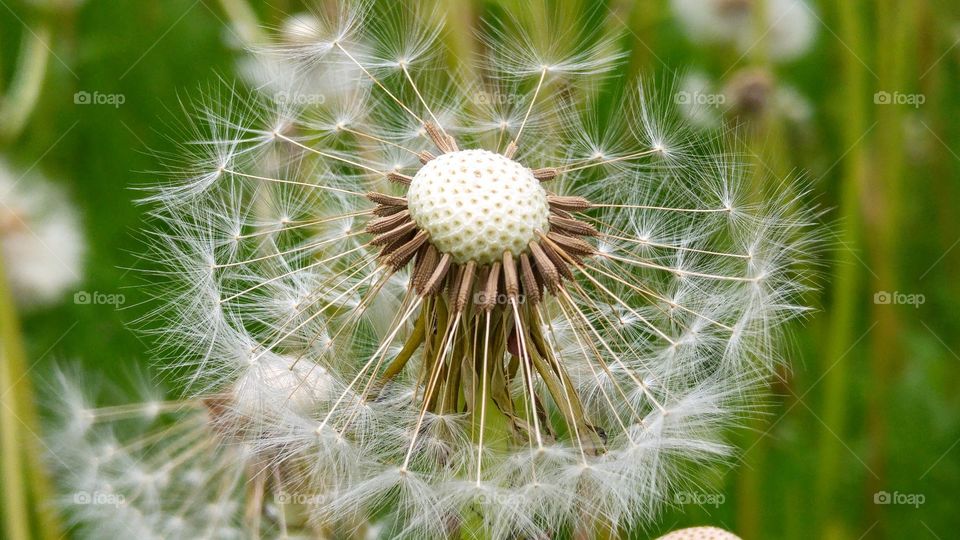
(41, 238)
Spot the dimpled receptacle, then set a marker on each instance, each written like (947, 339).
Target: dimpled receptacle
(476, 204)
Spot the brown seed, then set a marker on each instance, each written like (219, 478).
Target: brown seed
(404, 253)
(399, 178)
(548, 271)
(394, 234)
(388, 250)
(556, 259)
(466, 286)
(546, 174)
(433, 283)
(386, 200)
(387, 223)
(529, 280)
(426, 157)
(489, 298)
(437, 136)
(452, 143)
(384, 211)
(511, 283)
(570, 204)
(426, 263)
(572, 245)
(573, 226)
(511, 150)
(453, 283)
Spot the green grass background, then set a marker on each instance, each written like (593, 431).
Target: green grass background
(871, 403)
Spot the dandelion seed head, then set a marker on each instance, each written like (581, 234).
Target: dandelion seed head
(429, 300)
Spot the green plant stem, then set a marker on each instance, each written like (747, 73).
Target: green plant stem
(16, 516)
(643, 20)
(460, 41)
(244, 21)
(21, 426)
(846, 276)
(765, 142)
(24, 91)
(894, 50)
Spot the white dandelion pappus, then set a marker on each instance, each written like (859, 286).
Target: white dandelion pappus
(787, 32)
(159, 468)
(41, 238)
(499, 319)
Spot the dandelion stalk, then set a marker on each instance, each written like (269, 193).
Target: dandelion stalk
(24, 92)
(22, 461)
(847, 275)
(895, 40)
(16, 514)
(245, 22)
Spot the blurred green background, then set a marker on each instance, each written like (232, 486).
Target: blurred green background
(868, 417)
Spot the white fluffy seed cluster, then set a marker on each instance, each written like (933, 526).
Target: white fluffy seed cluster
(476, 204)
(274, 300)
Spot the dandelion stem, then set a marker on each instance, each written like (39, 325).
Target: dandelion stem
(19, 103)
(18, 460)
(847, 276)
(244, 21)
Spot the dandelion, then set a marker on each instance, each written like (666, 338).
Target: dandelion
(786, 31)
(40, 237)
(748, 95)
(472, 310)
(159, 468)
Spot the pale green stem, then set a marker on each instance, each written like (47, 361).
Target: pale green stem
(244, 21)
(847, 278)
(24, 92)
(895, 50)
(16, 516)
